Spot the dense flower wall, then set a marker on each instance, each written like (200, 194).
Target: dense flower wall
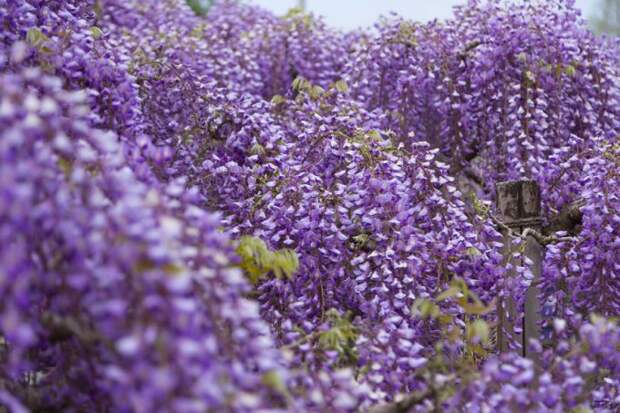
(141, 143)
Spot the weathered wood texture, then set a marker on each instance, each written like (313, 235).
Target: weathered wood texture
(518, 207)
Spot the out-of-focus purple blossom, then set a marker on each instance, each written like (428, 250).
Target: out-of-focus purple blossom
(115, 295)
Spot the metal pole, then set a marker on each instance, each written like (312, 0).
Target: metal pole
(301, 4)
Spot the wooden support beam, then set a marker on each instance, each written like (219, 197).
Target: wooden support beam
(518, 208)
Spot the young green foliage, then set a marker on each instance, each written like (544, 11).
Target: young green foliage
(341, 337)
(258, 261)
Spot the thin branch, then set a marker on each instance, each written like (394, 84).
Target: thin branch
(545, 240)
(530, 232)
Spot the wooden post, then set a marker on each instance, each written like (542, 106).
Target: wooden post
(518, 207)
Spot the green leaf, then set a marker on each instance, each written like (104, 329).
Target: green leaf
(278, 100)
(293, 11)
(479, 206)
(316, 92)
(329, 339)
(257, 149)
(36, 37)
(374, 135)
(480, 329)
(425, 308)
(299, 84)
(449, 293)
(530, 76)
(284, 263)
(476, 308)
(199, 8)
(274, 381)
(361, 238)
(258, 261)
(407, 33)
(96, 32)
(66, 165)
(341, 86)
(473, 252)
(596, 319)
(461, 285)
(341, 337)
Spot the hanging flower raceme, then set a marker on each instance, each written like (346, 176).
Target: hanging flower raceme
(519, 90)
(375, 227)
(582, 277)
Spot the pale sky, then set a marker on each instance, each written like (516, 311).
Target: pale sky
(349, 14)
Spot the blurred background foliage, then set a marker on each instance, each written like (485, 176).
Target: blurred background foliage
(200, 7)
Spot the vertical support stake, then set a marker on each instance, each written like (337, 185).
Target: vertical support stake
(518, 207)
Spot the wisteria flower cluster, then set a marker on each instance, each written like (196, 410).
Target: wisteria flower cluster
(115, 295)
(233, 211)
